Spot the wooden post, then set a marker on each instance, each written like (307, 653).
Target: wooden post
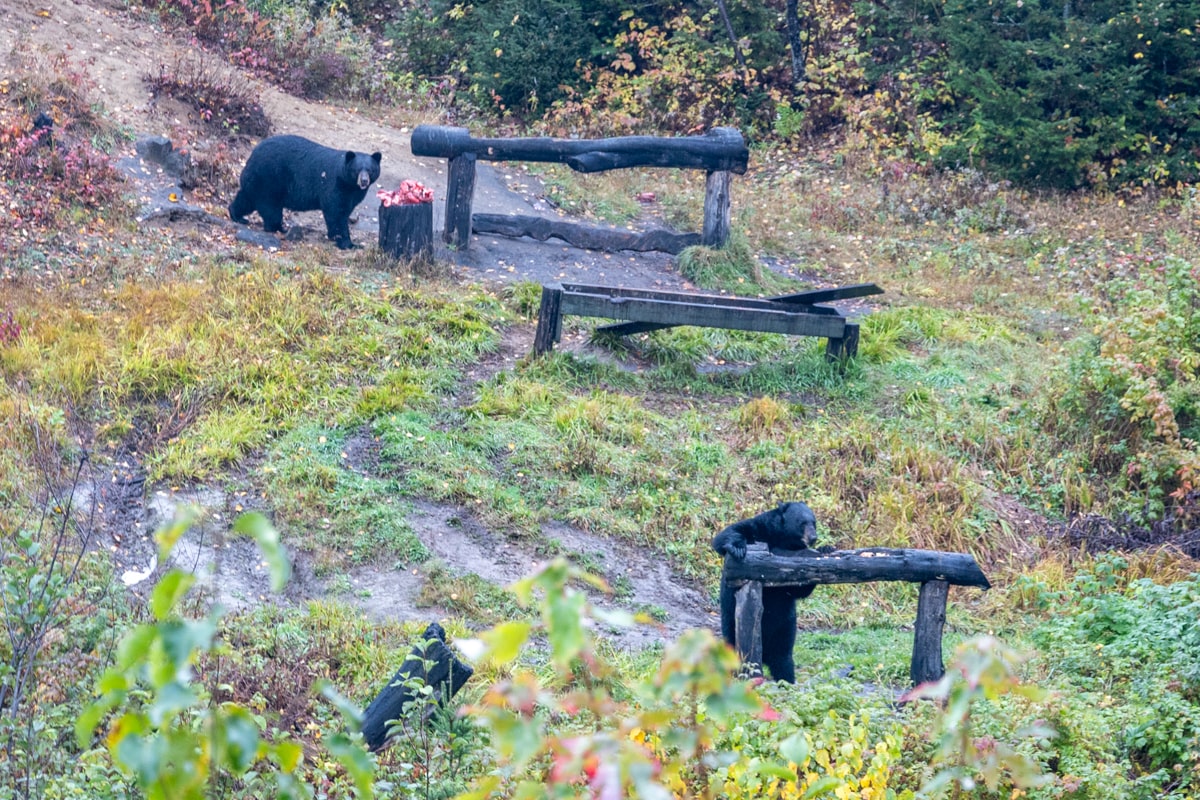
(927, 633)
(844, 348)
(406, 231)
(748, 626)
(549, 327)
(460, 191)
(716, 209)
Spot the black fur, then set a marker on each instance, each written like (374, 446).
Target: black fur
(789, 526)
(292, 172)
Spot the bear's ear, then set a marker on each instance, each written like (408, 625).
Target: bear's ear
(377, 157)
(350, 156)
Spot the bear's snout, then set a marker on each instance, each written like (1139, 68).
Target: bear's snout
(364, 179)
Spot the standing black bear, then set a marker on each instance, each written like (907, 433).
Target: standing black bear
(292, 172)
(790, 526)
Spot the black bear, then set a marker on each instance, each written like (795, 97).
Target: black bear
(789, 526)
(292, 172)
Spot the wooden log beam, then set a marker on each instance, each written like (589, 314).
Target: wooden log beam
(780, 320)
(549, 327)
(747, 626)
(719, 149)
(584, 236)
(855, 566)
(807, 298)
(460, 194)
(715, 231)
(927, 633)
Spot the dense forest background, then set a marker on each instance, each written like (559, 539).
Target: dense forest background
(1045, 93)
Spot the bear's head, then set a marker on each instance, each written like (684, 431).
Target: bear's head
(360, 169)
(797, 526)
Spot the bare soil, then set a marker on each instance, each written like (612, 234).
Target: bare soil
(116, 50)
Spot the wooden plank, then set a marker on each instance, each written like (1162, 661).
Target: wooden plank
(732, 300)
(549, 320)
(799, 298)
(715, 232)
(585, 236)
(709, 316)
(460, 191)
(855, 566)
(927, 633)
(748, 626)
(718, 149)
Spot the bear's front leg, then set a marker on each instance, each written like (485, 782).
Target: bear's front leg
(337, 228)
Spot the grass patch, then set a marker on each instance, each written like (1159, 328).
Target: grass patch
(342, 515)
(732, 268)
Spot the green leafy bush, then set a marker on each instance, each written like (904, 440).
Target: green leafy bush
(1051, 94)
(1128, 394)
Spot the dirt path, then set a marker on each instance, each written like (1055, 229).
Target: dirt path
(116, 50)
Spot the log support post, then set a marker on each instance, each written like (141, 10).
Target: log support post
(748, 626)
(716, 209)
(460, 191)
(549, 327)
(844, 348)
(927, 634)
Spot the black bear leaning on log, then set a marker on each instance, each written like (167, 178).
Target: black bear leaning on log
(789, 526)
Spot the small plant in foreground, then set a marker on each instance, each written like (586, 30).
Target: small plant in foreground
(168, 737)
(984, 669)
(10, 329)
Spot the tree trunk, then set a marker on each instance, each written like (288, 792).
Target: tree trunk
(799, 54)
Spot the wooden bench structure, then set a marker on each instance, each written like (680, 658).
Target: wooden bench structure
(934, 570)
(646, 310)
(720, 152)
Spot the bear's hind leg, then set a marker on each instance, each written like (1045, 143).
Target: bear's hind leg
(779, 634)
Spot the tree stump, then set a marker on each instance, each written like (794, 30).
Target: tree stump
(434, 663)
(406, 230)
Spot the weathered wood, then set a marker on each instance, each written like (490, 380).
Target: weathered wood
(460, 192)
(807, 298)
(927, 633)
(719, 149)
(584, 236)
(431, 661)
(549, 327)
(845, 347)
(406, 231)
(715, 232)
(748, 625)
(781, 319)
(855, 566)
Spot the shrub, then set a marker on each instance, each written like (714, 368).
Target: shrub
(1128, 394)
(1046, 94)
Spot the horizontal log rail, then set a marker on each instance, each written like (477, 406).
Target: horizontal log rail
(855, 566)
(721, 149)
